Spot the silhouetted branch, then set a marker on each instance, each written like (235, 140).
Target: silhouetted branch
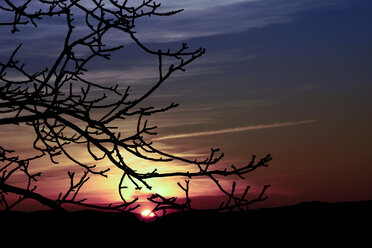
(30, 194)
(64, 108)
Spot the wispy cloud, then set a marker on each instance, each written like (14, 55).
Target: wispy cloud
(199, 4)
(237, 129)
(206, 18)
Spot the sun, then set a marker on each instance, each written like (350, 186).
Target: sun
(147, 213)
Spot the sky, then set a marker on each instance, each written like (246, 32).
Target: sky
(287, 77)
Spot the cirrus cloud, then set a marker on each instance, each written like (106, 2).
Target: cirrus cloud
(237, 129)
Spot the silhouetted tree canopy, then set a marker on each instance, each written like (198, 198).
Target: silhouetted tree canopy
(64, 108)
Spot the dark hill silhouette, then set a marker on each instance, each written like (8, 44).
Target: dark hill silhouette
(310, 220)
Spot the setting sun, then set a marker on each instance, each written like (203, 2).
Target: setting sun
(147, 213)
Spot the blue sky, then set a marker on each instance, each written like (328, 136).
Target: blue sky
(206, 18)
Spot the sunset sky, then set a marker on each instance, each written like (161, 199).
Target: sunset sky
(292, 78)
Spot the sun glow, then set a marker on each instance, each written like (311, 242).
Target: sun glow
(147, 213)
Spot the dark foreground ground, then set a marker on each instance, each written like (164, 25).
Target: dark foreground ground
(306, 221)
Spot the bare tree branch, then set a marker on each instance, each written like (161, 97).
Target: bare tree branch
(63, 108)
